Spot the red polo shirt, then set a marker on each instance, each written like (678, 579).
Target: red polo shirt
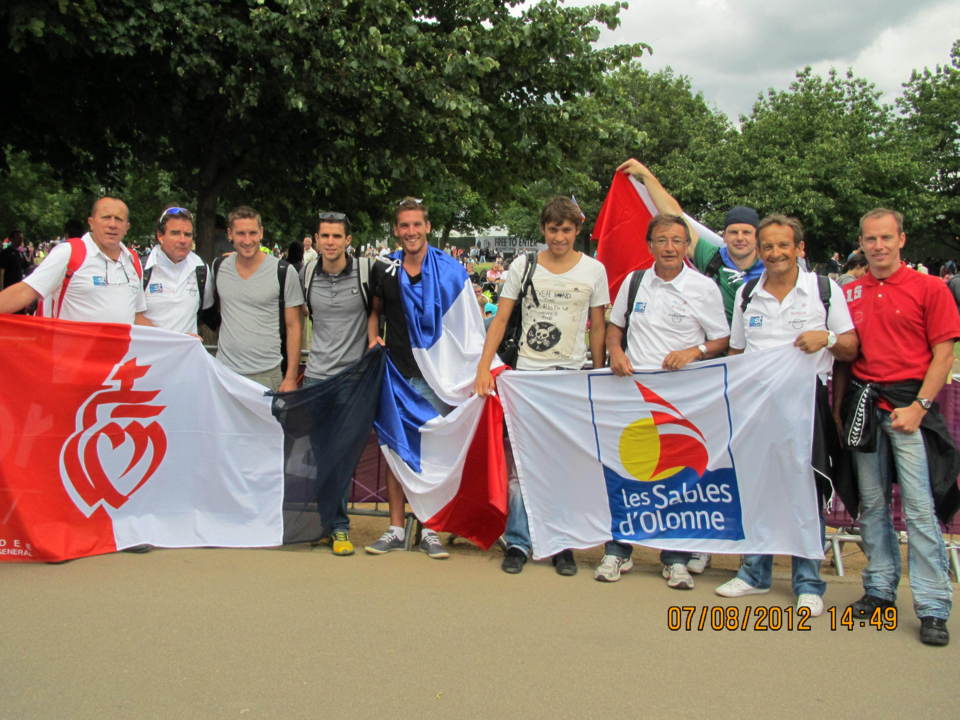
(899, 319)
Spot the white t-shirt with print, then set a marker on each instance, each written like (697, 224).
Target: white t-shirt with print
(552, 333)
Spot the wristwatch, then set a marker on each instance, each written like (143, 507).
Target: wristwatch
(703, 350)
(924, 403)
(831, 339)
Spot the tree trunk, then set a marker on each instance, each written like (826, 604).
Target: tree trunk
(206, 214)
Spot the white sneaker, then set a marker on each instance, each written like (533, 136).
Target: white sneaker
(811, 601)
(610, 568)
(738, 588)
(678, 577)
(698, 562)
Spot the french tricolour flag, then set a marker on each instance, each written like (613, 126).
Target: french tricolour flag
(621, 228)
(452, 468)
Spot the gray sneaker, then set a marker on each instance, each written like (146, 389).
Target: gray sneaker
(431, 545)
(387, 542)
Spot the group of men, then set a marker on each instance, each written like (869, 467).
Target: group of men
(892, 331)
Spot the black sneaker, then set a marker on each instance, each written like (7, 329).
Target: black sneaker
(933, 631)
(564, 563)
(514, 561)
(865, 607)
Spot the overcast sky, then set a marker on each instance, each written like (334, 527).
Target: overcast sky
(733, 49)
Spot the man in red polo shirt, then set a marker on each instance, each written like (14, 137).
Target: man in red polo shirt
(907, 323)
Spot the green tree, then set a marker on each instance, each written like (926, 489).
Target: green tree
(289, 104)
(823, 151)
(931, 124)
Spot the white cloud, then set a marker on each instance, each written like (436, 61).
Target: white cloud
(734, 49)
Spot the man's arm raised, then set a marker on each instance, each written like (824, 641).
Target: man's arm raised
(664, 201)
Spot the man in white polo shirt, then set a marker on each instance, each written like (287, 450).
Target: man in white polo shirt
(675, 317)
(175, 279)
(90, 279)
(789, 306)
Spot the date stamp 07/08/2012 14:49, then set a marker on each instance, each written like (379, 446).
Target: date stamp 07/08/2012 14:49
(771, 618)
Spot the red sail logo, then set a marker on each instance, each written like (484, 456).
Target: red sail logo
(109, 431)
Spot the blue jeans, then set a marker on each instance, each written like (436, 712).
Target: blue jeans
(757, 570)
(929, 578)
(517, 533)
(427, 393)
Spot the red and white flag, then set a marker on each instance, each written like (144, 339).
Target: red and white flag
(621, 229)
(114, 436)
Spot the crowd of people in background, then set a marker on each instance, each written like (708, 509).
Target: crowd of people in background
(890, 327)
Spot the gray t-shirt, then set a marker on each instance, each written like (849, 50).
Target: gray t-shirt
(250, 331)
(339, 321)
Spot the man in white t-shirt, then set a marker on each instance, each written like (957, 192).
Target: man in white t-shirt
(309, 253)
(787, 306)
(675, 317)
(173, 275)
(568, 288)
(104, 287)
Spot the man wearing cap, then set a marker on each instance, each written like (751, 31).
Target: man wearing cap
(907, 323)
(104, 287)
(729, 266)
(337, 295)
(174, 277)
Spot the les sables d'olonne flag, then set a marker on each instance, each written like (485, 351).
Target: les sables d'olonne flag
(712, 458)
(115, 436)
(452, 468)
(621, 229)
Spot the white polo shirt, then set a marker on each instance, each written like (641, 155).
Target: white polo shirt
(101, 290)
(172, 294)
(770, 323)
(669, 315)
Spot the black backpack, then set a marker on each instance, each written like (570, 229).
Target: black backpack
(510, 345)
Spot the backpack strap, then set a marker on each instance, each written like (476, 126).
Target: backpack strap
(526, 284)
(146, 276)
(135, 259)
(748, 288)
(211, 316)
(201, 271)
(364, 267)
(78, 253)
(823, 285)
(282, 268)
(309, 270)
(631, 299)
(713, 267)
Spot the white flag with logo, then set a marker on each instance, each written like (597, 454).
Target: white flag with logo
(712, 458)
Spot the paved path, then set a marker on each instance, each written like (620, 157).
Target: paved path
(298, 633)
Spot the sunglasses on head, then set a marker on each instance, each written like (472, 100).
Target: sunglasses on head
(176, 211)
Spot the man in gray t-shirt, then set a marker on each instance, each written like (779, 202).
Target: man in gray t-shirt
(249, 292)
(337, 303)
